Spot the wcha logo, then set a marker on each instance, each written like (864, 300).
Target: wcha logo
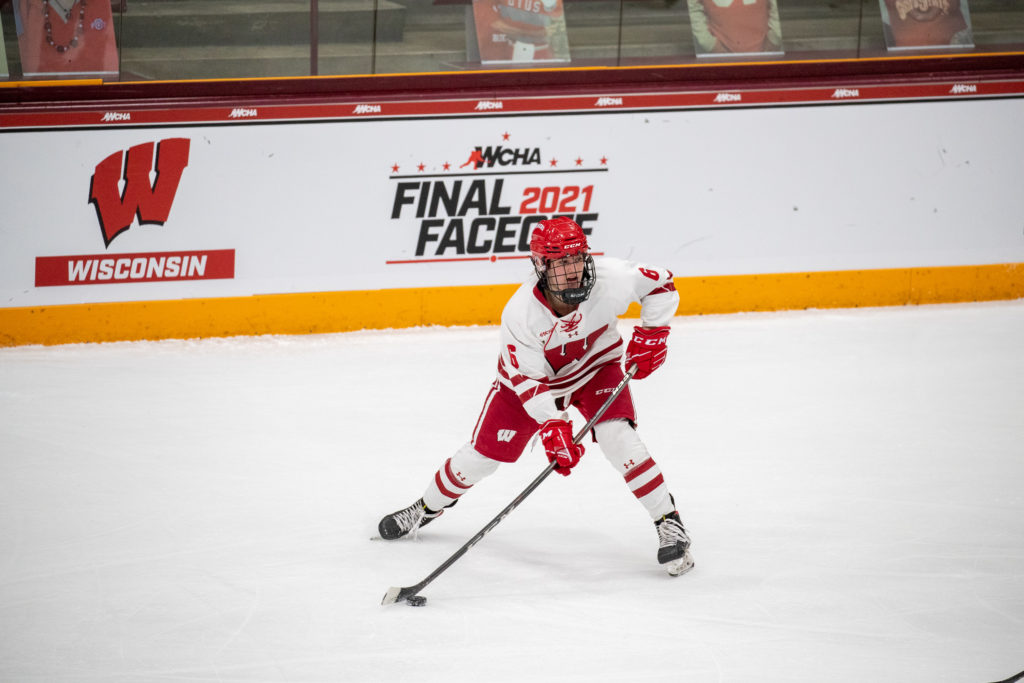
(243, 113)
(457, 212)
(117, 116)
(502, 156)
(489, 105)
(366, 109)
(608, 102)
(150, 202)
(963, 88)
(843, 93)
(728, 97)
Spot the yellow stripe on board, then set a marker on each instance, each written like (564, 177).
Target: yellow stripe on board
(324, 312)
(852, 289)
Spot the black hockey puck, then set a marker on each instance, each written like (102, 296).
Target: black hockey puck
(416, 600)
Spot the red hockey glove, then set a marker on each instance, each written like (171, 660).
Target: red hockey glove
(556, 435)
(647, 348)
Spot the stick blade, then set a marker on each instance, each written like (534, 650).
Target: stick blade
(391, 597)
(396, 594)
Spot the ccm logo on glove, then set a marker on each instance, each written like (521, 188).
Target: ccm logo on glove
(647, 349)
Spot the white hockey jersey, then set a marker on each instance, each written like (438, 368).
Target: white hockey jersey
(544, 357)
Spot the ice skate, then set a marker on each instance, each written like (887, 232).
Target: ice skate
(407, 520)
(674, 545)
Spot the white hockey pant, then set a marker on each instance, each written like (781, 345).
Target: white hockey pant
(628, 455)
(619, 442)
(456, 476)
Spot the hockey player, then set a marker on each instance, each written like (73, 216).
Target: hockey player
(560, 346)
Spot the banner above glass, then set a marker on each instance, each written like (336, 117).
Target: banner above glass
(176, 40)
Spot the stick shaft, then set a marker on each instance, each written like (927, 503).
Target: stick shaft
(413, 590)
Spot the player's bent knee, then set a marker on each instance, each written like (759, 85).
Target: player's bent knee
(472, 465)
(620, 443)
(615, 435)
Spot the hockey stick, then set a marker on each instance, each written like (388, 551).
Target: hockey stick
(409, 593)
(1013, 679)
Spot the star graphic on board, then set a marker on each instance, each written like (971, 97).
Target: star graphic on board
(394, 168)
(554, 162)
(420, 167)
(579, 161)
(604, 161)
(446, 166)
(505, 136)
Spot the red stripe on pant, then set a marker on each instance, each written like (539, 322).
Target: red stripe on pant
(640, 469)
(452, 479)
(649, 486)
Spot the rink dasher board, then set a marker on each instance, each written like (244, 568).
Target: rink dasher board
(364, 108)
(390, 214)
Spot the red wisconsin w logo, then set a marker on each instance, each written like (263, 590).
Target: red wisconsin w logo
(570, 352)
(150, 202)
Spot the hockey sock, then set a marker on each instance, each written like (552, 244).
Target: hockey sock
(628, 454)
(648, 485)
(456, 476)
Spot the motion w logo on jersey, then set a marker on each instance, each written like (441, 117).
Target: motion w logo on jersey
(482, 203)
(138, 184)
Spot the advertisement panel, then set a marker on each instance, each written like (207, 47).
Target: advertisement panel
(520, 31)
(735, 27)
(66, 39)
(160, 213)
(4, 72)
(914, 24)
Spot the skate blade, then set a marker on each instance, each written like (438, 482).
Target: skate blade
(680, 566)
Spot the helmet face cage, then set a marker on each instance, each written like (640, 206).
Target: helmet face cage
(571, 295)
(556, 239)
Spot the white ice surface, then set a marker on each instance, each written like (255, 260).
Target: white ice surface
(202, 510)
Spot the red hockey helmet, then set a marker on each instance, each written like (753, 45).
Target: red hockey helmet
(559, 238)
